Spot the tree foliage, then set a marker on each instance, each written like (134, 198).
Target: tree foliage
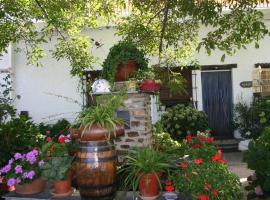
(171, 29)
(36, 22)
(168, 28)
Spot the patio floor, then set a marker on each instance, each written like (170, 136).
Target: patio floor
(237, 166)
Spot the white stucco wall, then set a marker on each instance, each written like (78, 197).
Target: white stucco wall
(34, 83)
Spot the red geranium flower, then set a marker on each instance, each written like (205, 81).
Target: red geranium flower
(218, 157)
(169, 188)
(188, 138)
(196, 146)
(48, 139)
(214, 192)
(207, 186)
(210, 140)
(51, 149)
(184, 164)
(204, 197)
(61, 139)
(198, 161)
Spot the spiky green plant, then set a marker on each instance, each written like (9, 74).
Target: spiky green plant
(143, 161)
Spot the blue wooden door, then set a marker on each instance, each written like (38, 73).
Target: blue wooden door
(217, 102)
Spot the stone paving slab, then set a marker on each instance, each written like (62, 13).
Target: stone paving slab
(121, 195)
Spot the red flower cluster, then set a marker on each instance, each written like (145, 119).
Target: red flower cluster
(61, 139)
(208, 140)
(218, 157)
(48, 139)
(184, 164)
(203, 197)
(169, 187)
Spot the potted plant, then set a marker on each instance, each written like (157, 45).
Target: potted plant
(143, 168)
(96, 159)
(148, 80)
(57, 166)
(122, 62)
(99, 122)
(23, 172)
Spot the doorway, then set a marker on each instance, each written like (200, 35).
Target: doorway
(217, 101)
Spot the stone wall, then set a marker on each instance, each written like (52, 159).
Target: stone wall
(138, 134)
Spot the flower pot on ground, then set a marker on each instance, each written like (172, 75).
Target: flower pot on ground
(143, 168)
(96, 160)
(57, 166)
(33, 187)
(23, 172)
(122, 62)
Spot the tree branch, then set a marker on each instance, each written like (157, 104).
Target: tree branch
(164, 24)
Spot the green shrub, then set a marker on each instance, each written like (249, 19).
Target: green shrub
(181, 119)
(251, 119)
(55, 130)
(19, 134)
(258, 159)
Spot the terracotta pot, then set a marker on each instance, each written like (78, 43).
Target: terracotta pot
(125, 71)
(97, 133)
(149, 86)
(96, 170)
(149, 184)
(63, 186)
(36, 186)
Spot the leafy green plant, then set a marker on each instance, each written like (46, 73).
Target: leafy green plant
(180, 120)
(6, 108)
(55, 130)
(146, 74)
(251, 119)
(19, 134)
(258, 159)
(142, 161)
(121, 53)
(103, 113)
(57, 159)
(163, 141)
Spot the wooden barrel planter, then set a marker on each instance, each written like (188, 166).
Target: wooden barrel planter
(96, 170)
(96, 164)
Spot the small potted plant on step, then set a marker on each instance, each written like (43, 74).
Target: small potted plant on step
(23, 172)
(58, 166)
(143, 168)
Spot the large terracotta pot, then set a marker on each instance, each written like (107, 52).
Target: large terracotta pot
(97, 133)
(125, 71)
(149, 184)
(96, 170)
(36, 186)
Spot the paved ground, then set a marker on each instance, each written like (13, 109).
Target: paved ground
(237, 166)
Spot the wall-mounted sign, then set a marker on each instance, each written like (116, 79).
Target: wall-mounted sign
(246, 84)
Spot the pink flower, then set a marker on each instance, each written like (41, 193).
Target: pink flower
(258, 190)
